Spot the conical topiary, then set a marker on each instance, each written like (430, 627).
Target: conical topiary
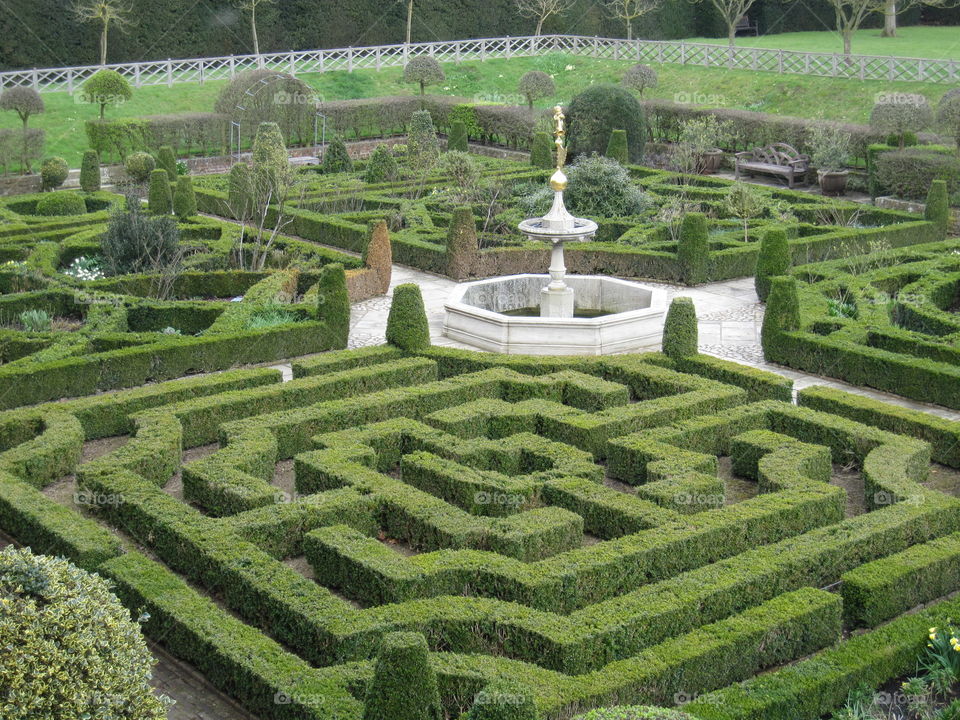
(90, 171)
(457, 139)
(240, 192)
(541, 151)
(336, 158)
(617, 147)
(166, 160)
(503, 700)
(407, 326)
(160, 199)
(404, 685)
(333, 304)
(461, 243)
(693, 249)
(382, 166)
(378, 255)
(782, 315)
(680, 329)
(184, 198)
(423, 147)
(772, 260)
(938, 206)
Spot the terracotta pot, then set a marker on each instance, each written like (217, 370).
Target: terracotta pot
(710, 161)
(833, 183)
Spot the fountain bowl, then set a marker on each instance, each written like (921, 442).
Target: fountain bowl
(616, 316)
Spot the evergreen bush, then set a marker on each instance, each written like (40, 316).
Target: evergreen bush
(106, 87)
(53, 173)
(336, 158)
(639, 77)
(137, 243)
(240, 191)
(90, 171)
(536, 84)
(541, 151)
(772, 260)
(423, 70)
(184, 198)
(62, 202)
(503, 700)
(168, 161)
(407, 326)
(462, 243)
(782, 313)
(617, 147)
(680, 334)
(139, 165)
(457, 139)
(333, 303)
(160, 199)
(423, 148)
(382, 166)
(404, 685)
(693, 249)
(938, 205)
(599, 110)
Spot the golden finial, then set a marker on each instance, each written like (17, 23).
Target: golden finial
(558, 181)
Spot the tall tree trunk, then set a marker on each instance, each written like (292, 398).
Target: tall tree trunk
(409, 20)
(890, 18)
(539, 26)
(253, 29)
(25, 159)
(732, 32)
(847, 42)
(629, 30)
(103, 42)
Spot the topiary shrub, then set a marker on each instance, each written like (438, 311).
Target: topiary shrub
(457, 139)
(167, 160)
(693, 249)
(423, 149)
(78, 654)
(635, 712)
(772, 260)
(333, 303)
(106, 87)
(240, 191)
(423, 70)
(382, 166)
(782, 314)
(599, 110)
(404, 685)
(909, 173)
(680, 335)
(601, 187)
(336, 158)
(184, 198)
(90, 171)
(541, 151)
(617, 147)
(139, 165)
(901, 113)
(639, 77)
(53, 173)
(62, 202)
(536, 84)
(938, 205)
(378, 256)
(160, 199)
(407, 326)
(462, 245)
(503, 700)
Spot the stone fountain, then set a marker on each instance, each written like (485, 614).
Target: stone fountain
(575, 315)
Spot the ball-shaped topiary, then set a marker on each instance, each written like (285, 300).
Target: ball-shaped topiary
(336, 158)
(680, 335)
(782, 315)
(462, 245)
(503, 700)
(693, 249)
(160, 199)
(167, 160)
(900, 114)
(184, 198)
(139, 165)
(617, 147)
(24, 101)
(635, 712)
(382, 166)
(90, 171)
(541, 151)
(62, 202)
(407, 326)
(404, 685)
(457, 139)
(599, 110)
(938, 206)
(773, 259)
(948, 114)
(106, 87)
(639, 77)
(333, 304)
(536, 84)
(77, 652)
(423, 70)
(53, 173)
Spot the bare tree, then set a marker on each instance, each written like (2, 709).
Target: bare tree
(250, 6)
(409, 20)
(542, 9)
(731, 11)
(890, 8)
(630, 10)
(107, 13)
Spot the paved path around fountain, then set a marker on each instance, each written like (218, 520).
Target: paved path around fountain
(729, 312)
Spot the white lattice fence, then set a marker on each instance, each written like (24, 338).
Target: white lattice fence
(170, 72)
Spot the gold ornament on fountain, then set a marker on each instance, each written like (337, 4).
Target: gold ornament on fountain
(558, 181)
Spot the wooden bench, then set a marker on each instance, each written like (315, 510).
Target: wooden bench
(777, 159)
(744, 26)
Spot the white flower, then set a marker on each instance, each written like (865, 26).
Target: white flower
(568, 68)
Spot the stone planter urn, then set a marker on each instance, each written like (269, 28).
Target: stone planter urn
(833, 182)
(710, 161)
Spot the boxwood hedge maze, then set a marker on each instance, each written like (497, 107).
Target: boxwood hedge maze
(569, 524)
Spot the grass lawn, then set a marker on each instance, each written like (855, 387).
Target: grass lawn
(912, 41)
(496, 81)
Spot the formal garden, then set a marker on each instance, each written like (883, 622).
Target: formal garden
(205, 464)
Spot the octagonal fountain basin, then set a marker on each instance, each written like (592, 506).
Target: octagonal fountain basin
(502, 315)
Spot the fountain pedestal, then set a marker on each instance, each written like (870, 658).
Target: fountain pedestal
(556, 299)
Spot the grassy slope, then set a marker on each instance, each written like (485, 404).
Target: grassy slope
(496, 81)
